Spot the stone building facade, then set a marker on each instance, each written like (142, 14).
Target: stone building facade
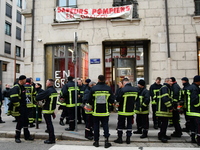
(153, 43)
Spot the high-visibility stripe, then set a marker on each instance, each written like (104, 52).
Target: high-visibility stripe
(125, 113)
(141, 112)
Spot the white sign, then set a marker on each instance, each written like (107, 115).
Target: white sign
(58, 81)
(72, 14)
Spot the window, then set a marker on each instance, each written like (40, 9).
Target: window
(117, 3)
(18, 51)
(17, 68)
(8, 10)
(19, 3)
(19, 17)
(18, 33)
(67, 3)
(197, 7)
(7, 48)
(8, 28)
(4, 67)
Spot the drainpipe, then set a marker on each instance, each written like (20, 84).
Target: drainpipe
(33, 27)
(168, 42)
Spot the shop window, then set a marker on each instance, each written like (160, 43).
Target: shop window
(18, 51)
(17, 68)
(67, 3)
(4, 67)
(59, 62)
(117, 3)
(8, 10)
(197, 7)
(7, 48)
(19, 17)
(8, 28)
(18, 33)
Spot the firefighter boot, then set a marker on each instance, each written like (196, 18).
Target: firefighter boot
(61, 122)
(119, 140)
(96, 143)
(139, 131)
(17, 136)
(144, 134)
(128, 140)
(107, 144)
(193, 139)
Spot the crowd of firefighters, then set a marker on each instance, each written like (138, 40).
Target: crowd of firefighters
(95, 101)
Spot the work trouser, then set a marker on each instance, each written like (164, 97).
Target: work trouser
(155, 118)
(71, 115)
(176, 119)
(104, 122)
(50, 127)
(142, 121)
(121, 125)
(31, 114)
(163, 126)
(89, 125)
(22, 122)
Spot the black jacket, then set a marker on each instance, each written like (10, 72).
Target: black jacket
(100, 96)
(175, 94)
(6, 92)
(126, 98)
(50, 96)
(154, 92)
(142, 102)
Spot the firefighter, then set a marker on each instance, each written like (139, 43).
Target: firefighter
(193, 109)
(154, 91)
(38, 89)
(68, 94)
(88, 112)
(126, 98)
(142, 110)
(176, 95)
(50, 96)
(164, 110)
(184, 96)
(30, 95)
(18, 109)
(100, 96)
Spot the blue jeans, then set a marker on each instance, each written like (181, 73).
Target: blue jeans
(6, 101)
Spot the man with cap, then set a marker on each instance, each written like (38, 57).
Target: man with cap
(184, 95)
(18, 109)
(193, 109)
(175, 94)
(142, 110)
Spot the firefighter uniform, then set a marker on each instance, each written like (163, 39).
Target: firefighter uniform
(68, 93)
(126, 98)
(18, 109)
(193, 109)
(39, 111)
(30, 96)
(154, 92)
(142, 109)
(184, 96)
(50, 96)
(100, 96)
(175, 95)
(164, 111)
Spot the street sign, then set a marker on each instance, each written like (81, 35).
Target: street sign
(95, 61)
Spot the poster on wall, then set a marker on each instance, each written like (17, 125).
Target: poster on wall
(72, 14)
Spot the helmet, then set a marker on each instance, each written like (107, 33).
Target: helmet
(88, 108)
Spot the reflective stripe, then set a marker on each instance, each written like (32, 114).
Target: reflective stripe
(141, 112)
(125, 113)
(164, 114)
(70, 89)
(193, 114)
(47, 111)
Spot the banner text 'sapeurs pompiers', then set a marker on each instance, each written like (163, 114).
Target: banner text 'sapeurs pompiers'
(72, 14)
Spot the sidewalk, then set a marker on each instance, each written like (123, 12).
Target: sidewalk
(7, 130)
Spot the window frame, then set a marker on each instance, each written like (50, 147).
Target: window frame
(67, 2)
(19, 3)
(8, 24)
(197, 7)
(117, 3)
(4, 67)
(17, 68)
(19, 17)
(18, 33)
(7, 51)
(8, 12)
(18, 51)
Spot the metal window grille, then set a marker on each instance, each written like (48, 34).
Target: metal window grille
(197, 7)
(128, 2)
